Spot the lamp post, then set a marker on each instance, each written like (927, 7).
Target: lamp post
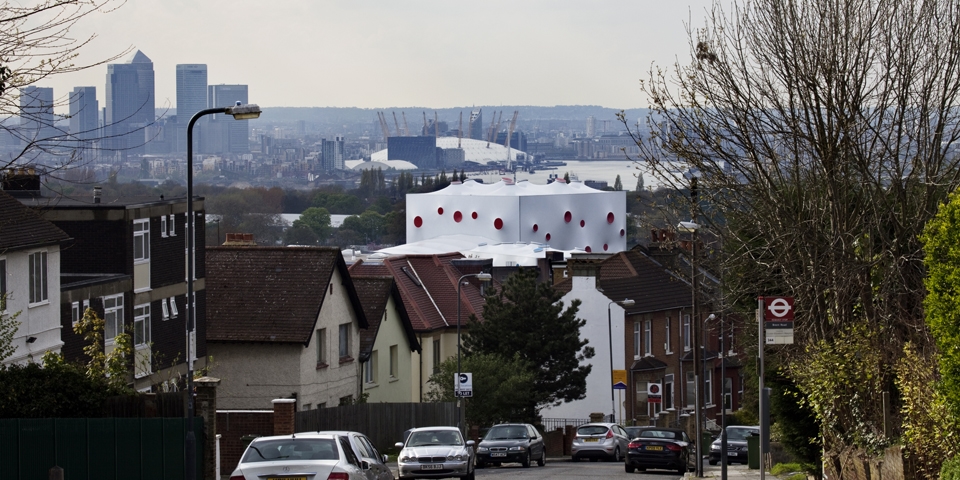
(613, 404)
(483, 277)
(692, 227)
(723, 398)
(239, 112)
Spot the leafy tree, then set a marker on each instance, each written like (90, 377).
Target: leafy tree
(369, 224)
(55, 390)
(527, 318)
(825, 132)
(300, 234)
(617, 184)
(8, 328)
(502, 388)
(114, 366)
(317, 220)
(639, 182)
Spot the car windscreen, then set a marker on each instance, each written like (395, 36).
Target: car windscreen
(291, 449)
(592, 430)
(516, 432)
(633, 432)
(434, 437)
(666, 434)
(740, 433)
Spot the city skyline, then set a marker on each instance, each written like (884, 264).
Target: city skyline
(424, 53)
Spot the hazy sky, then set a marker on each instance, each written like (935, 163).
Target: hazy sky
(380, 54)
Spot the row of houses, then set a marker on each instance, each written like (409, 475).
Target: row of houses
(303, 323)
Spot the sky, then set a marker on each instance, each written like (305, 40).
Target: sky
(410, 53)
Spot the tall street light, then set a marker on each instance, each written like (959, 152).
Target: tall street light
(613, 404)
(691, 228)
(483, 277)
(723, 398)
(239, 112)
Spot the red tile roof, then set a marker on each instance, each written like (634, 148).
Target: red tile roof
(375, 293)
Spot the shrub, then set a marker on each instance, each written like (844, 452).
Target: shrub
(951, 469)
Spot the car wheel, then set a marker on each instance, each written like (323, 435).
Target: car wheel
(481, 465)
(713, 462)
(543, 459)
(682, 470)
(616, 455)
(629, 468)
(526, 460)
(574, 459)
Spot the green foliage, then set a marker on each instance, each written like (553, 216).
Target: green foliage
(743, 417)
(8, 328)
(617, 184)
(941, 244)
(931, 431)
(796, 424)
(951, 469)
(57, 389)
(369, 225)
(114, 366)
(317, 220)
(502, 388)
(528, 318)
(338, 203)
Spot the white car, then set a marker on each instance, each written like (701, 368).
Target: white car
(435, 452)
(301, 456)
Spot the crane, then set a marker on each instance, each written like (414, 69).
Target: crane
(383, 126)
(460, 131)
(493, 131)
(406, 129)
(470, 126)
(506, 143)
(397, 124)
(425, 124)
(436, 125)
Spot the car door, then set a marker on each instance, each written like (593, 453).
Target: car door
(368, 453)
(536, 442)
(622, 438)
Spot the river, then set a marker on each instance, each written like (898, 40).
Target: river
(599, 170)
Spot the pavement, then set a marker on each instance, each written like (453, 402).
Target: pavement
(735, 472)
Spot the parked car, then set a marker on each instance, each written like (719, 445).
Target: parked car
(435, 452)
(367, 452)
(599, 440)
(511, 442)
(736, 444)
(660, 448)
(634, 432)
(303, 455)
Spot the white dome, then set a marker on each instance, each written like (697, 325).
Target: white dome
(478, 151)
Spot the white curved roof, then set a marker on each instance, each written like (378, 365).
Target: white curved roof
(471, 246)
(506, 188)
(474, 150)
(384, 164)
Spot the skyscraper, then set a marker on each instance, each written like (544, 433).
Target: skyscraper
(333, 153)
(591, 126)
(36, 114)
(130, 104)
(476, 125)
(235, 133)
(191, 98)
(84, 113)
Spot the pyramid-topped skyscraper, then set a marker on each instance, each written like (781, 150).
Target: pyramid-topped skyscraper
(129, 104)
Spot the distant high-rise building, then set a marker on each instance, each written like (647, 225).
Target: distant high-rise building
(476, 125)
(191, 98)
(130, 104)
(591, 126)
(84, 114)
(36, 114)
(235, 134)
(333, 154)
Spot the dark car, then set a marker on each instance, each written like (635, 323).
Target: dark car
(511, 442)
(660, 448)
(634, 432)
(736, 444)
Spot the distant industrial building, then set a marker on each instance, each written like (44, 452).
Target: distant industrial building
(476, 125)
(518, 140)
(477, 151)
(420, 151)
(130, 104)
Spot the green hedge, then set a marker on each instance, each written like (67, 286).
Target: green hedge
(55, 391)
(950, 469)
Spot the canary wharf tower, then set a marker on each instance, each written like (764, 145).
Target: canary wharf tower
(129, 105)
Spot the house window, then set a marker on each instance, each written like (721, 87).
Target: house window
(708, 387)
(74, 313)
(173, 226)
(306, 406)
(322, 346)
(647, 337)
(668, 392)
(394, 361)
(668, 343)
(173, 307)
(3, 284)
(370, 368)
(112, 316)
(38, 277)
(691, 390)
(686, 333)
(141, 324)
(636, 339)
(346, 400)
(344, 340)
(141, 240)
(166, 310)
(727, 393)
(436, 356)
(163, 226)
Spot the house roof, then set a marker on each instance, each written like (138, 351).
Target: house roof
(647, 363)
(428, 286)
(21, 227)
(374, 293)
(271, 294)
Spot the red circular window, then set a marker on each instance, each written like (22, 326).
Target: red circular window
(610, 217)
(548, 237)
(588, 249)
(605, 247)
(457, 216)
(567, 217)
(536, 227)
(582, 223)
(622, 232)
(474, 215)
(498, 224)
(440, 211)
(417, 222)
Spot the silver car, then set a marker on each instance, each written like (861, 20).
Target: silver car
(435, 452)
(376, 463)
(596, 441)
(301, 456)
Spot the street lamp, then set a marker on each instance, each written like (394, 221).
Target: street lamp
(723, 399)
(239, 112)
(483, 277)
(613, 404)
(692, 227)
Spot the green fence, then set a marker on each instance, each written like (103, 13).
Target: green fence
(97, 448)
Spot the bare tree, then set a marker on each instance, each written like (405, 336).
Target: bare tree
(823, 136)
(35, 44)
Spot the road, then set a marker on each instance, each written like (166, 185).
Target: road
(567, 470)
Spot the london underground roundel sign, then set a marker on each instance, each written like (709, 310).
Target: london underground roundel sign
(778, 309)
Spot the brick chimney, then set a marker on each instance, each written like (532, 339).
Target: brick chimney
(239, 240)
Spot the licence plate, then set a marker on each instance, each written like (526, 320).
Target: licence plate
(591, 440)
(437, 466)
(654, 447)
(498, 454)
(286, 478)
(731, 454)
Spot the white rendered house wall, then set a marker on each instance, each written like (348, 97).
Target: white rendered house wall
(564, 216)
